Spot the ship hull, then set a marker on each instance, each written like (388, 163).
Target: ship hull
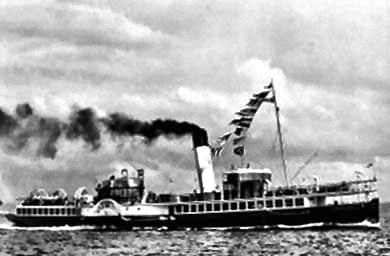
(329, 215)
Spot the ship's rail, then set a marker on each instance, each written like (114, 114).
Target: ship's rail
(273, 203)
(313, 190)
(275, 197)
(356, 186)
(47, 210)
(352, 193)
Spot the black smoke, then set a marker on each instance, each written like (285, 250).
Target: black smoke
(23, 110)
(82, 124)
(50, 130)
(7, 123)
(120, 125)
(19, 130)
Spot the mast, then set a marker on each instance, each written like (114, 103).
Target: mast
(243, 159)
(279, 133)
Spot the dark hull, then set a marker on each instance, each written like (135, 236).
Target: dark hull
(56, 221)
(348, 214)
(336, 214)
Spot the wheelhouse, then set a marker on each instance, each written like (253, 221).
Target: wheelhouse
(245, 183)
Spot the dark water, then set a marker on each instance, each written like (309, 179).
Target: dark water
(307, 241)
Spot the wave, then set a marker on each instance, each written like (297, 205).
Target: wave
(363, 224)
(320, 225)
(8, 226)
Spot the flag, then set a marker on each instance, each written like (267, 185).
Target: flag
(253, 102)
(235, 121)
(245, 124)
(269, 86)
(271, 100)
(251, 111)
(224, 137)
(243, 121)
(238, 140)
(221, 141)
(261, 95)
(246, 119)
(239, 150)
(217, 151)
(239, 131)
(257, 99)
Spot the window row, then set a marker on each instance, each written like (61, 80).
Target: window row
(243, 205)
(124, 192)
(46, 211)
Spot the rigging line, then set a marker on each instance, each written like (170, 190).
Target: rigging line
(279, 133)
(308, 161)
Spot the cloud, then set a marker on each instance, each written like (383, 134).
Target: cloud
(199, 61)
(321, 113)
(72, 23)
(201, 97)
(260, 73)
(53, 44)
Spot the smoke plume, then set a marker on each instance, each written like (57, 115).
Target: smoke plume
(83, 124)
(120, 125)
(7, 123)
(23, 110)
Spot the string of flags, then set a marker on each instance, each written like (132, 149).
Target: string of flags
(243, 122)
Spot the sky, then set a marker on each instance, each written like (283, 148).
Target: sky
(198, 61)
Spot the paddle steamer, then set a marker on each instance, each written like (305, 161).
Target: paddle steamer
(246, 198)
